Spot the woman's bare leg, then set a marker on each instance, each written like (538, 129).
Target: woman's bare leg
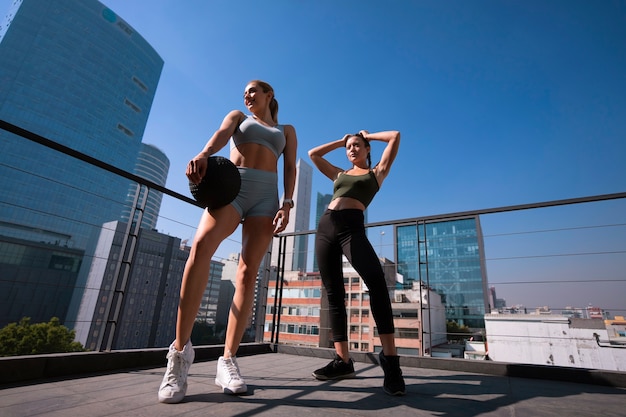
(389, 344)
(342, 350)
(257, 234)
(214, 227)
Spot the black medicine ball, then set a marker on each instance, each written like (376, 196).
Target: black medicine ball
(220, 184)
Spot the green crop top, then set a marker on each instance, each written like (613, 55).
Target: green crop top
(360, 187)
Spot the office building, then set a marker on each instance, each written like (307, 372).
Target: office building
(41, 279)
(131, 297)
(76, 73)
(448, 256)
(297, 247)
(417, 314)
(207, 313)
(323, 200)
(153, 165)
(266, 276)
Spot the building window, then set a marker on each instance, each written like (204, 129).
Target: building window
(140, 84)
(132, 105)
(125, 130)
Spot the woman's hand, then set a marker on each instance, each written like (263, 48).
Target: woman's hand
(196, 168)
(281, 220)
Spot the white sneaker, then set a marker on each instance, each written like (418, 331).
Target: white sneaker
(174, 384)
(228, 376)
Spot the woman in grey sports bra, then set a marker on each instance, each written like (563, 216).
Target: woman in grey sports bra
(258, 142)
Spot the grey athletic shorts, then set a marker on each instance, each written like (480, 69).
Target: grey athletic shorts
(258, 195)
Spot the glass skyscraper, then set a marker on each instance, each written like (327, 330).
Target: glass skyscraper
(76, 73)
(448, 256)
(296, 247)
(152, 164)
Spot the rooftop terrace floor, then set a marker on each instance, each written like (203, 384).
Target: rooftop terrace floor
(281, 384)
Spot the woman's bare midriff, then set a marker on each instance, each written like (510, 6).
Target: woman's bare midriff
(344, 203)
(255, 156)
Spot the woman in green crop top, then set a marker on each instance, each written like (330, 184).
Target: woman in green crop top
(341, 231)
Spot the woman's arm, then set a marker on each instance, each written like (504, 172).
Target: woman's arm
(392, 137)
(317, 157)
(198, 165)
(289, 160)
(289, 177)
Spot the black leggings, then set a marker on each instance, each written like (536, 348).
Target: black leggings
(343, 232)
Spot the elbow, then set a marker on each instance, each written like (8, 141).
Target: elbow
(395, 138)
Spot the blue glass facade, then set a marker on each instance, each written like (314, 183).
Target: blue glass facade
(76, 73)
(152, 164)
(323, 200)
(448, 257)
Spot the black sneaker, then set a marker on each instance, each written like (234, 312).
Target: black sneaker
(336, 369)
(394, 382)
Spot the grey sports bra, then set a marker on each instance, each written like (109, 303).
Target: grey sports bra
(251, 131)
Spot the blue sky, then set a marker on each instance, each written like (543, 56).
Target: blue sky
(498, 102)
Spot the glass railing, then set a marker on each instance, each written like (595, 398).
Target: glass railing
(539, 283)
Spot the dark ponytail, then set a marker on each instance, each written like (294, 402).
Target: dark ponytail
(274, 103)
(274, 109)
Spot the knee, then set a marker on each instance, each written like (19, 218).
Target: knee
(200, 248)
(246, 276)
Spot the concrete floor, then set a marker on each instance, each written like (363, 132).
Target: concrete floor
(280, 385)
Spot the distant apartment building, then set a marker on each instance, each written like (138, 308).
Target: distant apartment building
(299, 309)
(596, 313)
(448, 256)
(265, 277)
(227, 288)
(554, 340)
(207, 313)
(131, 297)
(419, 317)
(616, 328)
(495, 302)
(304, 317)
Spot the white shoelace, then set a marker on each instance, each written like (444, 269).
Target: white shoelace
(231, 367)
(174, 368)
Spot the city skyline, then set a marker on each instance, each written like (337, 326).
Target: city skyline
(498, 104)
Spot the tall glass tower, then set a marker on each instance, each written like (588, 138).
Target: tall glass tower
(296, 256)
(152, 164)
(76, 73)
(448, 257)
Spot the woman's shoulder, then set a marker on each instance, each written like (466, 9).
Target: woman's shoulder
(236, 114)
(288, 129)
